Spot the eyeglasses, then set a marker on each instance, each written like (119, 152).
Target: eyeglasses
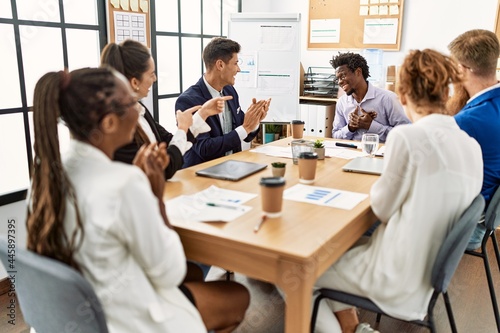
(340, 76)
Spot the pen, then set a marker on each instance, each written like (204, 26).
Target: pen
(347, 145)
(261, 222)
(211, 204)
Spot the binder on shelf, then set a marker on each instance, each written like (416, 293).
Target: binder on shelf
(321, 121)
(324, 120)
(304, 114)
(311, 119)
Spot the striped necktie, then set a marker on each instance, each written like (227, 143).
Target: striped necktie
(227, 121)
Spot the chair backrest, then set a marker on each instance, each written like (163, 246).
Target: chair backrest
(492, 215)
(454, 245)
(53, 296)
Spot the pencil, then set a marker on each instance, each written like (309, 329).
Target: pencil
(261, 222)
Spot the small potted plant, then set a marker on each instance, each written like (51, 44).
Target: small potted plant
(319, 148)
(278, 169)
(272, 132)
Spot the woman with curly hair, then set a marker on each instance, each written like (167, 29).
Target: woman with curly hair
(432, 173)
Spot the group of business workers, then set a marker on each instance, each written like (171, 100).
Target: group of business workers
(108, 219)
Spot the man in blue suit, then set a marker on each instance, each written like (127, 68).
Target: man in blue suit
(233, 126)
(476, 52)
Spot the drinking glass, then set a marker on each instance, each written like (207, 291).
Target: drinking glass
(369, 143)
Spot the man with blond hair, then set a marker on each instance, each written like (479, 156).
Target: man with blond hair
(477, 52)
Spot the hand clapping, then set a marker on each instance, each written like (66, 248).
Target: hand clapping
(152, 159)
(256, 112)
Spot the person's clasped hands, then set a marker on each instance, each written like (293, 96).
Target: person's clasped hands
(360, 119)
(152, 159)
(255, 113)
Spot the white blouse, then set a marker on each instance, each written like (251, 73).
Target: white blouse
(432, 172)
(134, 262)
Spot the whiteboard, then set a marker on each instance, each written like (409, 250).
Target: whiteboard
(269, 61)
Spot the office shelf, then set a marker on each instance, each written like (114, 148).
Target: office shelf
(320, 82)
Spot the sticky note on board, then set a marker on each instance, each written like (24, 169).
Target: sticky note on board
(115, 3)
(144, 6)
(373, 10)
(363, 10)
(383, 10)
(134, 5)
(124, 4)
(393, 10)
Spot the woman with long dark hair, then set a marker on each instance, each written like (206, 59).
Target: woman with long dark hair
(134, 61)
(107, 219)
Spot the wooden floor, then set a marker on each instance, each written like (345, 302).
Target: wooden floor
(468, 292)
(469, 297)
(10, 322)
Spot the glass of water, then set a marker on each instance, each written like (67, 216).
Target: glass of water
(369, 143)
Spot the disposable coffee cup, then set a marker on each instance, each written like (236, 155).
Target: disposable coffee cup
(297, 129)
(307, 167)
(271, 190)
(300, 146)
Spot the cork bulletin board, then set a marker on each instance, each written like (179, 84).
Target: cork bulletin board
(355, 24)
(129, 19)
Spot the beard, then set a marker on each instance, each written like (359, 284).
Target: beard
(458, 100)
(350, 92)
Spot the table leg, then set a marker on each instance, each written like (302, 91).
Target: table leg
(296, 281)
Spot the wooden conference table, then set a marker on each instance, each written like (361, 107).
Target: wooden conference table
(291, 251)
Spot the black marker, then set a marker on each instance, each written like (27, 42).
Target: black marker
(347, 145)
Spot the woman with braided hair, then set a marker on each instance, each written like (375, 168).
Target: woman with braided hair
(107, 219)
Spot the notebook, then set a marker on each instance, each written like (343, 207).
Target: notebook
(372, 166)
(231, 170)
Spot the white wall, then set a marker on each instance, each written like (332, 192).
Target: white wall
(258, 6)
(426, 24)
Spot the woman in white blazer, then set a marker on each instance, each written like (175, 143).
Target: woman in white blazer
(107, 219)
(432, 172)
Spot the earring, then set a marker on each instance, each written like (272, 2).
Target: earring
(136, 88)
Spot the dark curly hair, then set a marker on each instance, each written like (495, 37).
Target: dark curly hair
(352, 61)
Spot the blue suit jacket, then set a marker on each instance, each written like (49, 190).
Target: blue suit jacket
(215, 143)
(480, 118)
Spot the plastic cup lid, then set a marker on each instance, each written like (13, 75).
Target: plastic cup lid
(272, 181)
(308, 155)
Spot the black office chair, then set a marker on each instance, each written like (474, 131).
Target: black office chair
(446, 262)
(53, 296)
(491, 222)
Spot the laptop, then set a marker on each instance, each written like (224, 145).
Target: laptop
(231, 170)
(372, 166)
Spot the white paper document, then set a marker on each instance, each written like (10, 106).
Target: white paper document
(380, 31)
(324, 196)
(213, 204)
(324, 31)
(330, 151)
(275, 151)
